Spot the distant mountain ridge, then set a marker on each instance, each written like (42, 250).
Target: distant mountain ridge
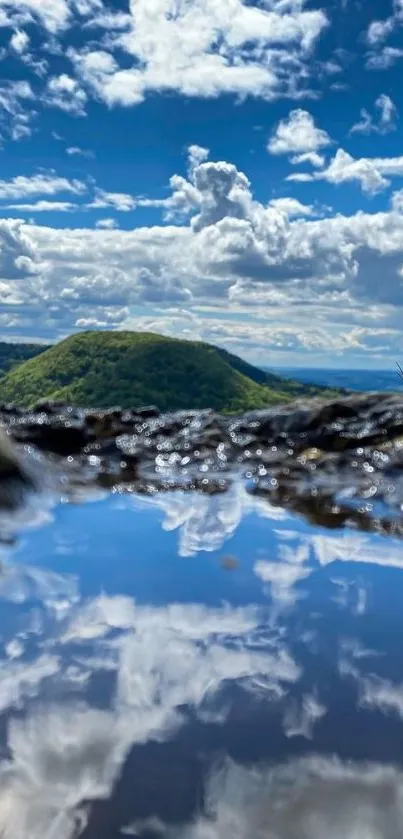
(102, 369)
(355, 380)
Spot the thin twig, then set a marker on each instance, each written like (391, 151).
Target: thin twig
(400, 370)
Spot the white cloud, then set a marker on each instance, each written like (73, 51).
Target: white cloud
(365, 124)
(205, 523)
(40, 184)
(52, 14)
(110, 20)
(381, 694)
(282, 576)
(21, 680)
(369, 172)
(107, 224)
(117, 200)
(77, 152)
(292, 207)
(312, 157)
(396, 201)
(58, 757)
(385, 120)
(300, 720)
(43, 206)
(311, 797)
(297, 134)
(18, 255)
(385, 58)
(164, 659)
(65, 93)
(15, 103)
(20, 583)
(196, 155)
(234, 254)
(354, 547)
(19, 41)
(379, 30)
(388, 111)
(204, 49)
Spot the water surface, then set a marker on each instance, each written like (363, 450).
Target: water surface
(199, 666)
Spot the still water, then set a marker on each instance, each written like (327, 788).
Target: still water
(199, 667)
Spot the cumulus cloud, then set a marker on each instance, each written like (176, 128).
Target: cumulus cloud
(52, 15)
(65, 93)
(281, 577)
(381, 56)
(19, 41)
(17, 252)
(300, 718)
(231, 252)
(204, 50)
(312, 797)
(292, 207)
(204, 523)
(40, 184)
(297, 134)
(197, 154)
(117, 200)
(379, 30)
(163, 660)
(381, 694)
(20, 680)
(107, 224)
(352, 547)
(311, 157)
(371, 173)
(16, 109)
(396, 201)
(384, 121)
(388, 111)
(384, 58)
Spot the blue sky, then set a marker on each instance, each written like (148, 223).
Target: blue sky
(219, 169)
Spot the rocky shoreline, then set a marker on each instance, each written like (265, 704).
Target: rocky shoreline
(337, 463)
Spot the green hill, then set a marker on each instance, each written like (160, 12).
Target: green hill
(12, 354)
(101, 369)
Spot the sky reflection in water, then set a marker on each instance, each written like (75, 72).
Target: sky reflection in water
(200, 667)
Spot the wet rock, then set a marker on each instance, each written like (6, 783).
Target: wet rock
(147, 412)
(304, 456)
(48, 406)
(60, 437)
(10, 467)
(15, 479)
(105, 424)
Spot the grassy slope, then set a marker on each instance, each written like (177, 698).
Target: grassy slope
(129, 369)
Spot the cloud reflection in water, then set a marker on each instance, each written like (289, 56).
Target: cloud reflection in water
(164, 665)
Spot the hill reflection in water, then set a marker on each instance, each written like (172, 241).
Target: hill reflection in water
(149, 686)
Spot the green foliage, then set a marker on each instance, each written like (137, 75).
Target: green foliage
(102, 369)
(12, 354)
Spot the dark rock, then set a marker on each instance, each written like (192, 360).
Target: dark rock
(303, 456)
(59, 438)
(15, 479)
(147, 412)
(48, 406)
(10, 466)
